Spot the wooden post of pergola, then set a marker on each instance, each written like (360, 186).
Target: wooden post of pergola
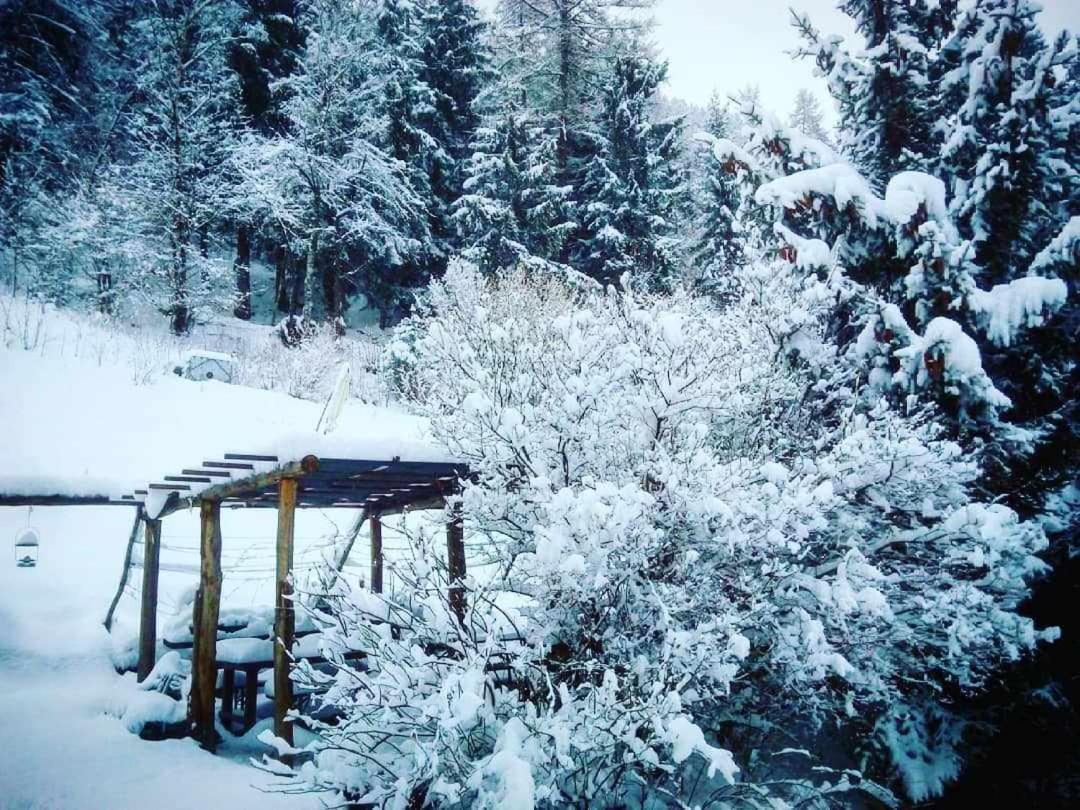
(207, 605)
(376, 554)
(455, 563)
(148, 609)
(284, 614)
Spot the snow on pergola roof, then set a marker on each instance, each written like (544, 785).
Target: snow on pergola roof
(79, 434)
(246, 479)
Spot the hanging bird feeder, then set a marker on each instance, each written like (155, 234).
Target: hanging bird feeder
(26, 544)
(26, 548)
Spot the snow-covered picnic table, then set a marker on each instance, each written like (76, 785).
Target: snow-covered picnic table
(250, 656)
(245, 644)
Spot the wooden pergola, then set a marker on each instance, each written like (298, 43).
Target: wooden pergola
(245, 480)
(379, 487)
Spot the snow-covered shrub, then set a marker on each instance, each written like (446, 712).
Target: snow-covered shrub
(307, 370)
(679, 562)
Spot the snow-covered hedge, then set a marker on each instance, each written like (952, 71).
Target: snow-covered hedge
(677, 558)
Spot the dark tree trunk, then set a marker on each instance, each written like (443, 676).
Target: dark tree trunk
(242, 272)
(180, 310)
(282, 296)
(296, 283)
(106, 296)
(334, 291)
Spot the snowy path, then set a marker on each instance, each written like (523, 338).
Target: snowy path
(64, 750)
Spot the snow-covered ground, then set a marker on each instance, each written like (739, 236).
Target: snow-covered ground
(65, 750)
(74, 422)
(77, 429)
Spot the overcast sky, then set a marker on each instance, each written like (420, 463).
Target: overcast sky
(728, 44)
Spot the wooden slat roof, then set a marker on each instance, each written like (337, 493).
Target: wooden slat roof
(251, 480)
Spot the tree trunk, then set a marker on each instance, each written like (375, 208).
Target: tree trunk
(566, 50)
(282, 296)
(334, 292)
(180, 311)
(242, 273)
(296, 283)
(311, 277)
(105, 295)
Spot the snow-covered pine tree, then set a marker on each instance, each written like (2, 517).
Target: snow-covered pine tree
(511, 210)
(54, 116)
(329, 182)
(558, 52)
(720, 243)
(883, 90)
(456, 64)
(1005, 160)
(892, 288)
(1013, 119)
(630, 186)
(264, 51)
(410, 138)
(171, 188)
(556, 57)
(807, 116)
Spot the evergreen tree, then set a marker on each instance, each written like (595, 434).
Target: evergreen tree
(264, 51)
(50, 54)
(720, 243)
(884, 90)
(806, 117)
(557, 53)
(719, 118)
(961, 291)
(456, 65)
(1005, 161)
(631, 184)
(172, 188)
(512, 211)
(329, 183)
(411, 123)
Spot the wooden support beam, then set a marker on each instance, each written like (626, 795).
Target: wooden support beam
(148, 608)
(284, 615)
(350, 539)
(60, 500)
(376, 554)
(207, 606)
(127, 568)
(242, 487)
(455, 563)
